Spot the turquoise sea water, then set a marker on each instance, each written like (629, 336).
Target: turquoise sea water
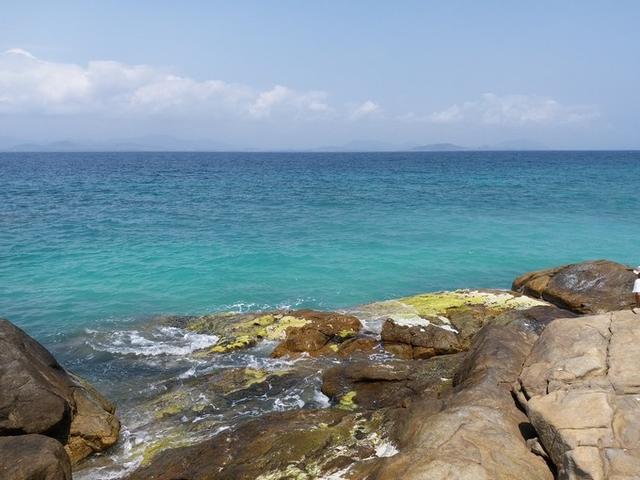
(93, 239)
(93, 245)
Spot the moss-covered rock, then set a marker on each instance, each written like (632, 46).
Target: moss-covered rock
(303, 444)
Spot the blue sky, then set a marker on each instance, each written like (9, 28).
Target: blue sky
(294, 74)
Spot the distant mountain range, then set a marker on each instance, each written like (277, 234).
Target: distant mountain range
(159, 143)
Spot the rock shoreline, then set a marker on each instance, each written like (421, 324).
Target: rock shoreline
(537, 383)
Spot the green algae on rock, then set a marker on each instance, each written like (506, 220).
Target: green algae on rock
(297, 331)
(302, 444)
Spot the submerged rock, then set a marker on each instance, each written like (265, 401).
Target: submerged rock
(589, 287)
(33, 457)
(302, 444)
(580, 386)
(39, 396)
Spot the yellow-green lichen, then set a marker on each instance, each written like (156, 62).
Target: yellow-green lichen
(347, 401)
(247, 332)
(333, 347)
(235, 343)
(344, 334)
(435, 304)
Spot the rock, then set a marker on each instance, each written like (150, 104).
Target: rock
(446, 322)
(590, 287)
(359, 346)
(302, 444)
(313, 332)
(480, 433)
(38, 396)
(320, 336)
(581, 391)
(33, 457)
(426, 340)
(373, 385)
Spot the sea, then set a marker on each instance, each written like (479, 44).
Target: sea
(93, 246)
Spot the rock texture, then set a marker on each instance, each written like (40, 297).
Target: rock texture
(33, 457)
(377, 384)
(288, 445)
(323, 333)
(298, 331)
(479, 434)
(446, 322)
(581, 389)
(590, 287)
(38, 396)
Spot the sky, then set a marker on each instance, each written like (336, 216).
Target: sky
(310, 74)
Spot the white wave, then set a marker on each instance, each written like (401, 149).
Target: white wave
(386, 449)
(321, 399)
(161, 341)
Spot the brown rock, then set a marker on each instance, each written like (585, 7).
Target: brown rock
(479, 432)
(581, 391)
(33, 457)
(37, 395)
(590, 287)
(323, 330)
(395, 383)
(425, 340)
(294, 444)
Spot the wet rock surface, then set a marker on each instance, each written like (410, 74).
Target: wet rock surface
(38, 396)
(596, 286)
(296, 444)
(297, 331)
(470, 384)
(581, 389)
(377, 384)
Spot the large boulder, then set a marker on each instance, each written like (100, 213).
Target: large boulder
(38, 396)
(33, 457)
(480, 433)
(589, 287)
(580, 386)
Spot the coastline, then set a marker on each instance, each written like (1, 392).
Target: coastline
(351, 388)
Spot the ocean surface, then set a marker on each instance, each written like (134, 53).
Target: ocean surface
(90, 239)
(95, 246)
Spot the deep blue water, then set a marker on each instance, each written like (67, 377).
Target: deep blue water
(92, 238)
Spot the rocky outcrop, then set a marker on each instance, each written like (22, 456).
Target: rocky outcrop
(300, 444)
(376, 384)
(323, 333)
(38, 396)
(581, 389)
(33, 457)
(589, 287)
(442, 323)
(479, 434)
(300, 331)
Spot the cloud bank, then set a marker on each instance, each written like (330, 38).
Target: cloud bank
(32, 85)
(514, 109)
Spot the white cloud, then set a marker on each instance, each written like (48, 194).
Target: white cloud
(31, 85)
(515, 109)
(279, 95)
(366, 109)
